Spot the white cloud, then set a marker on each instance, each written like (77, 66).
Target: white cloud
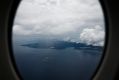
(59, 19)
(93, 36)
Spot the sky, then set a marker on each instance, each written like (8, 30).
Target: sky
(79, 21)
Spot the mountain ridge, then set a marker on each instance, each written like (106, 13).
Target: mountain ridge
(56, 44)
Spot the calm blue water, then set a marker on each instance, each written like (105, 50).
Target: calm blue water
(52, 64)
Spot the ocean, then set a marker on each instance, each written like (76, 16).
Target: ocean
(56, 64)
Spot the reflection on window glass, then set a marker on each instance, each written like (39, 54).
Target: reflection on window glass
(58, 39)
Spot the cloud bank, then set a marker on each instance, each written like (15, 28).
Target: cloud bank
(72, 20)
(93, 36)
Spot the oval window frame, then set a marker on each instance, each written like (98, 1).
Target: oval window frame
(105, 40)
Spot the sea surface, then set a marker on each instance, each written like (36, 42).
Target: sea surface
(56, 64)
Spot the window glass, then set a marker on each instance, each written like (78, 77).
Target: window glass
(58, 39)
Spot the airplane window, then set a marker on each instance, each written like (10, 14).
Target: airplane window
(58, 39)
